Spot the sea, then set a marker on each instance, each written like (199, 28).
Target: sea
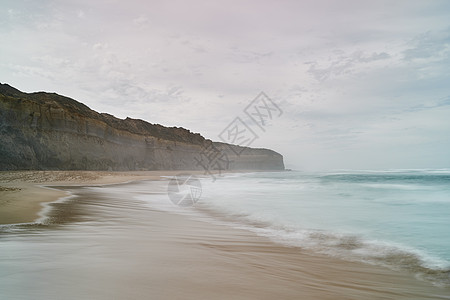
(399, 219)
(395, 218)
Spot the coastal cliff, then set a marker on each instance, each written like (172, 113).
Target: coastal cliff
(46, 131)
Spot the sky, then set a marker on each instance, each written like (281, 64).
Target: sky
(357, 84)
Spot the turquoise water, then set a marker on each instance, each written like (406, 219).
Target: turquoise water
(400, 219)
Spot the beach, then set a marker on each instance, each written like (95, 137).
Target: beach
(23, 192)
(100, 243)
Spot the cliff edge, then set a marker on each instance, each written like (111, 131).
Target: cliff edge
(47, 131)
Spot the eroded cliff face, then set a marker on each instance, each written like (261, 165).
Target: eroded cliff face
(43, 131)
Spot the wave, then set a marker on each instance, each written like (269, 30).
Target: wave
(356, 171)
(240, 201)
(348, 247)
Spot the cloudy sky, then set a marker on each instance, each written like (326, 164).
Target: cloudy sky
(361, 84)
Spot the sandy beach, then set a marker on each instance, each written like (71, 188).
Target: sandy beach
(22, 193)
(119, 249)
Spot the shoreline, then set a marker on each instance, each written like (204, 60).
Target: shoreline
(24, 193)
(227, 262)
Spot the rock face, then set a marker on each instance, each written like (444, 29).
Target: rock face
(43, 131)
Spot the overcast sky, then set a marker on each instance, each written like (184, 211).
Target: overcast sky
(361, 84)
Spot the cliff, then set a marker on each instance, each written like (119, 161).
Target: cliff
(46, 131)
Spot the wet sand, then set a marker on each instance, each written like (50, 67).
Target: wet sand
(22, 193)
(105, 245)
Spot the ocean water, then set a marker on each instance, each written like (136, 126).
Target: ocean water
(397, 218)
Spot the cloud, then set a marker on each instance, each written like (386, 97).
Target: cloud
(337, 69)
(342, 64)
(431, 44)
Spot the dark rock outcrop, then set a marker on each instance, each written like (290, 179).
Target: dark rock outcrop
(46, 131)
